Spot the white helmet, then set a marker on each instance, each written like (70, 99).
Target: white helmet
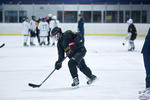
(54, 17)
(130, 21)
(49, 15)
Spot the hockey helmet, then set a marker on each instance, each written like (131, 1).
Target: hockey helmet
(43, 19)
(130, 21)
(25, 18)
(69, 34)
(49, 15)
(54, 17)
(33, 17)
(56, 31)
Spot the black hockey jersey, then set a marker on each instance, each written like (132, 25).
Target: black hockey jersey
(70, 43)
(133, 31)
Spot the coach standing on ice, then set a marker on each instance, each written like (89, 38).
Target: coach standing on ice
(81, 27)
(146, 58)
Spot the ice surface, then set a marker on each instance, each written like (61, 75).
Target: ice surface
(120, 73)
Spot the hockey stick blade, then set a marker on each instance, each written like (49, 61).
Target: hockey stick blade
(2, 45)
(34, 85)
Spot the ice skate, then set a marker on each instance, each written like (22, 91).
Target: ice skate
(145, 94)
(91, 79)
(48, 43)
(42, 43)
(131, 49)
(32, 44)
(53, 44)
(75, 83)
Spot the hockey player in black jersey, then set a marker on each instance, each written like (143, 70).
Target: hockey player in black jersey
(71, 44)
(133, 34)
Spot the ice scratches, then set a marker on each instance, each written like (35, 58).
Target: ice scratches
(22, 70)
(58, 89)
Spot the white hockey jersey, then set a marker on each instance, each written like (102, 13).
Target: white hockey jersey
(25, 28)
(33, 25)
(44, 28)
(53, 24)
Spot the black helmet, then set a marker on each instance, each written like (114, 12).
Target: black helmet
(56, 30)
(33, 17)
(68, 34)
(43, 19)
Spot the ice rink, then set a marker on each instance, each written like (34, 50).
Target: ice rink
(120, 73)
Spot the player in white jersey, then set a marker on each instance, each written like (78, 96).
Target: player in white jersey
(25, 30)
(44, 28)
(32, 30)
(53, 23)
(49, 18)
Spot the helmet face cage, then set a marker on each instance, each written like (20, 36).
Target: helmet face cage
(57, 36)
(56, 32)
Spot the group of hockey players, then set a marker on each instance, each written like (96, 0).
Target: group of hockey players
(41, 29)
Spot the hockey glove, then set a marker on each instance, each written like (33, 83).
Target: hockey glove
(58, 65)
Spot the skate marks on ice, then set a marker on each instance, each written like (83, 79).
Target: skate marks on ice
(58, 89)
(94, 51)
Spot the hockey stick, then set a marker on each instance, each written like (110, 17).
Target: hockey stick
(2, 45)
(126, 39)
(36, 85)
(124, 43)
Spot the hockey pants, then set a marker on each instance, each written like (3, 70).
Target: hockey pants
(78, 61)
(131, 44)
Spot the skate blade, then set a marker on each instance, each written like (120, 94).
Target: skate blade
(75, 87)
(143, 98)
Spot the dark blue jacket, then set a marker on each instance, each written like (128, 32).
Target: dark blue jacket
(81, 26)
(146, 46)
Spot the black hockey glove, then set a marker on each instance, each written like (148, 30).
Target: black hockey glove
(58, 65)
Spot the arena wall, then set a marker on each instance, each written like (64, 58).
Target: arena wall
(90, 29)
